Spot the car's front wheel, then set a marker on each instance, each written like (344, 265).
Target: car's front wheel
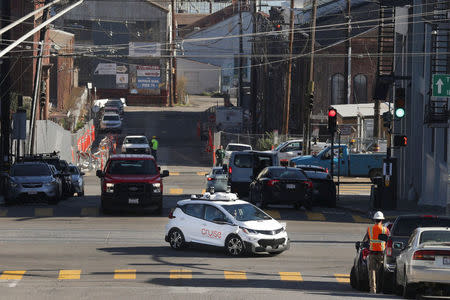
(176, 239)
(234, 245)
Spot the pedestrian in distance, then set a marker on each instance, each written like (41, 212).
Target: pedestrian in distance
(154, 147)
(376, 249)
(220, 155)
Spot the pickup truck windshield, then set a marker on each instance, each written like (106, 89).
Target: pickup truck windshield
(135, 141)
(111, 118)
(132, 167)
(31, 170)
(246, 212)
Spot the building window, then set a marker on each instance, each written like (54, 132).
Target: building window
(360, 88)
(337, 89)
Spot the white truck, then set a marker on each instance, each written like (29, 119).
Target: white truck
(294, 148)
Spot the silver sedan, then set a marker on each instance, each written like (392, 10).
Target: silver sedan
(217, 179)
(77, 180)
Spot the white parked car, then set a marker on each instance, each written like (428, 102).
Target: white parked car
(135, 144)
(425, 262)
(235, 147)
(222, 220)
(111, 122)
(293, 148)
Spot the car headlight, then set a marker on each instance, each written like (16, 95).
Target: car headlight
(157, 188)
(50, 183)
(13, 185)
(147, 150)
(110, 187)
(248, 231)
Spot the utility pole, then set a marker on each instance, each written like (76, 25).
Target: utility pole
(348, 62)
(241, 53)
(253, 75)
(287, 100)
(309, 99)
(5, 96)
(173, 65)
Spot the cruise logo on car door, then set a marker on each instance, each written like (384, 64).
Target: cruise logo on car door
(213, 234)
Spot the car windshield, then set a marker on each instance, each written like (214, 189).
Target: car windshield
(286, 173)
(132, 167)
(238, 148)
(114, 103)
(31, 170)
(280, 146)
(246, 212)
(137, 140)
(406, 226)
(73, 170)
(111, 118)
(435, 236)
(219, 172)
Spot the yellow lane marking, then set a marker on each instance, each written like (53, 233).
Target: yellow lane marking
(359, 219)
(313, 216)
(43, 212)
(235, 275)
(175, 191)
(174, 173)
(203, 191)
(202, 173)
(273, 213)
(342, 278)
(69, 274)
(125, 274)
(3, 212)
(291, 276)
(12, 275)
(89, 212)
(180, 274)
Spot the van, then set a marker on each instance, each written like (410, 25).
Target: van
(243, 166)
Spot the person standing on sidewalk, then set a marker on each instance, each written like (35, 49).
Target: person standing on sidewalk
(155, 144)
(377, 247)
(220, 155)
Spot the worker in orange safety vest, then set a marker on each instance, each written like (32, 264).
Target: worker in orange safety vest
(376, 248)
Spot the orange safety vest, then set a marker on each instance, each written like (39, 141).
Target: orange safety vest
(375, 243)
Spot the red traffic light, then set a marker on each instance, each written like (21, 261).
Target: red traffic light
(332, 113)
(278, 27)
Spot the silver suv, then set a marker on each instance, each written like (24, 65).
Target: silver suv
(33, 181)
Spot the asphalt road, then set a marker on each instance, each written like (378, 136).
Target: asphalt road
(73, 251)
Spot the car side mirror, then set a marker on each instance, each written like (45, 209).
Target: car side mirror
(357, 245)
(383, 237)
(82, 173)
(165, 173)
(398, 246)
(99, 174)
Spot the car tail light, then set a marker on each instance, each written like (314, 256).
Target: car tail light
(230, 170)
(389, 247)
(365, 253)
(429, 254)
(429, 216)
(309, 184)
(326, 170)
(171, 216)
(211, 178)
(272, 182)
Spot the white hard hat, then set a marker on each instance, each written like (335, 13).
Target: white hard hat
(378, 216)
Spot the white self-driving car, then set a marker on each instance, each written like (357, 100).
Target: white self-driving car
(222, 220)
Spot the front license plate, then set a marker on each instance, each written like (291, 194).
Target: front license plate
(290, 186)
(133, 201)
(32, 193)
(446, 260)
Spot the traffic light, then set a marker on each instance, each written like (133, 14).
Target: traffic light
(399, 106)
(332, 120)
(277, 17)
(311, 101)
(400, 140)
(387, 119)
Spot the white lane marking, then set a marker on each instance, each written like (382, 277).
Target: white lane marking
(13, 283)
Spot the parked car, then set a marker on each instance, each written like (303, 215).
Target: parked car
(363, 165)
(217, 180)
(244, 166)
(33, 181)
(131, 181)
(324, 188)
(135, 144)
(400, 232)
(424, 264)
(117, 103)
(281, 185)
(293, 148)
(77, 180)
(223, 220)
(112, 110)
(235, 147)
(111, 122)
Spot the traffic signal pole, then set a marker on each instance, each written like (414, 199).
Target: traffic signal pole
(287, 101)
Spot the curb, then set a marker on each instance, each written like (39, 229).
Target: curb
(352, 209)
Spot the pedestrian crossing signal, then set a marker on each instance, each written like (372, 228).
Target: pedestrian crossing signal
(400, 141)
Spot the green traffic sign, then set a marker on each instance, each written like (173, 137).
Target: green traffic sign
(441, 85)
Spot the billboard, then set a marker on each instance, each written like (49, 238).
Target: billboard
(140, 49)
(152, 71)
(105, 69)
(148, 82)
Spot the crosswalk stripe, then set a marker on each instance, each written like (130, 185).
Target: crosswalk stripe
(359, 219)
(12, 275)
(69, 274)
(342, 278)
(202, 173)
(175, 191)
(43, 212)
(125, 274)
(314, 216)
(235, 275)
(180, 274)
(273, 213)
(291, 276)
(3, 212)
(89, 211)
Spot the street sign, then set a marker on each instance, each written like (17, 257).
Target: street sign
(441, 85)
